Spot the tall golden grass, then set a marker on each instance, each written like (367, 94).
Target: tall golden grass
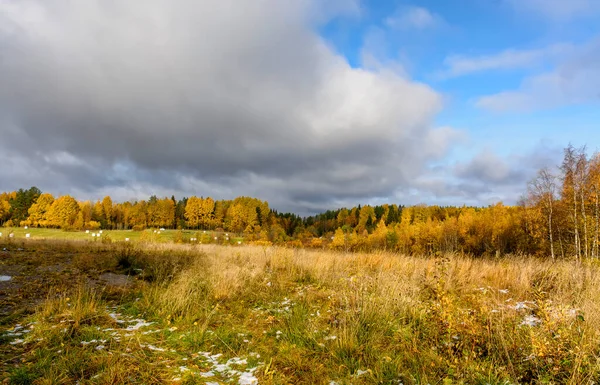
(321, 316)
(449, 318)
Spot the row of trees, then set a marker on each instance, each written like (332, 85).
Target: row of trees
(569, 203)
(559, 216)
(36, 209)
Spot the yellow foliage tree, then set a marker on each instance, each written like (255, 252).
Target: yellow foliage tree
(37, 211)
(192, 212)
(4, 208)
(107, 211)
(63, 212)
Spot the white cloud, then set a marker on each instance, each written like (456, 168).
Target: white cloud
(485, 178)
(459, 65)
(412, 18)
(576, 80)
(486, 166)
(218, 95)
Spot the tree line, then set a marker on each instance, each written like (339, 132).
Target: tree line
(558, 217)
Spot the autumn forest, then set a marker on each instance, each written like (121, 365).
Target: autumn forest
(558, 216)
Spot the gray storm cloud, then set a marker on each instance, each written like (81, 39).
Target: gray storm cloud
(233, 97)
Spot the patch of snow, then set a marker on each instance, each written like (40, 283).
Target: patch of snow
(521, 306)
(152, 347)
(151, 332)
(531, 320)
(237, 361)
(115, 316)
(247, 378)
(221, 368)
(140, 323)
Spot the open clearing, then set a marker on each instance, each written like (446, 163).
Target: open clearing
(156, 235)
(122, 313)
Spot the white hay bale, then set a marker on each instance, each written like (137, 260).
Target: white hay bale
(27, 235)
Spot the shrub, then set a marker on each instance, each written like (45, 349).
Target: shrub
(93, 225)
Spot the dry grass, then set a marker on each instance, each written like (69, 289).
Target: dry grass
(315, 317)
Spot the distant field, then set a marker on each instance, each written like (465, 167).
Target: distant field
(117, 235)
(163, 313)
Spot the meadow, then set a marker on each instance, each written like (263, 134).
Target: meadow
(153, 235)
(84, 312)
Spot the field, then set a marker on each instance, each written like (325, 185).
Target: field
(117, 235)
(163, 313)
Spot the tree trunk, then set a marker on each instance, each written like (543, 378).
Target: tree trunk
(550, 211)
(595, 252)
(576, 225)
(585, 233)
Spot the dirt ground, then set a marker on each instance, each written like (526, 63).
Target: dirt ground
(33, 272)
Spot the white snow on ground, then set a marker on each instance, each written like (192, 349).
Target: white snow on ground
(225, 369)
(247, 378)
(137, 323)
(140, 323)
(152, 347)
(522, 306)
(531, 320)
(233, 370)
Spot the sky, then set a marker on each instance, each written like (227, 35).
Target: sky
(308, 104)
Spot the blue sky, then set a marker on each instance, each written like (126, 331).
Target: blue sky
(519, 78)
(309, 104)
(469, 49)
